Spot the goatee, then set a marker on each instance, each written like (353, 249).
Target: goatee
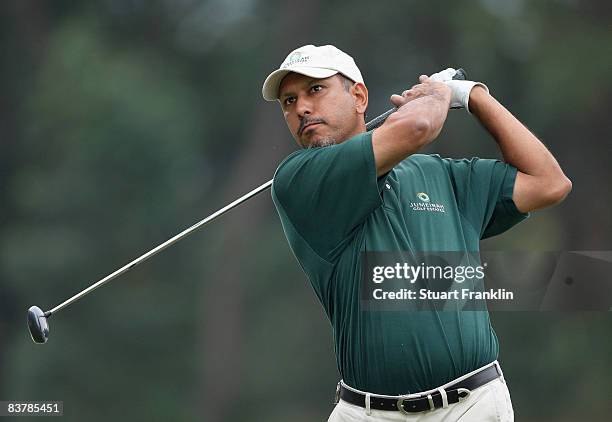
(323, 142)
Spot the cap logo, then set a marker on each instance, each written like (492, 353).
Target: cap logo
(295, 58)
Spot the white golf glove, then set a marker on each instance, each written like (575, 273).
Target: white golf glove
(460, 96)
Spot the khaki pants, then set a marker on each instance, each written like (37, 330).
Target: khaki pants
(489, 402)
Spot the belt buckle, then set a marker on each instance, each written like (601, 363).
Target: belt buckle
(465, 391)
(400, 403)
(400, 406)
(337, 395)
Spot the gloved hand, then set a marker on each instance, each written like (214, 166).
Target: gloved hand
(460, 96)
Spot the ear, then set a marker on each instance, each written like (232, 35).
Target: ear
(360, 96)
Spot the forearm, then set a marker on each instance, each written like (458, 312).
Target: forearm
(416, 123)
(428, 113)
(540, 181)
(518, 145)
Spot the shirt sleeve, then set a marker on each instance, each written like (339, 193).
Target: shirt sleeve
(483, 189)
(327, 192)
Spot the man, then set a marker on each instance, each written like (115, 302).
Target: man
(348, 191)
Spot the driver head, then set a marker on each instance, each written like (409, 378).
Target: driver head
(37, 323)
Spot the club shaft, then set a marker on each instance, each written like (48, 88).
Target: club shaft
(161, 247)
(372, 124)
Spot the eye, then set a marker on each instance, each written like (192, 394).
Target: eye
(289, 101)
(316, 88)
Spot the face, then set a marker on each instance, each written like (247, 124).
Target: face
(321, 112)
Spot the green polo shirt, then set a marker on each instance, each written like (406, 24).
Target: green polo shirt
(333, 208)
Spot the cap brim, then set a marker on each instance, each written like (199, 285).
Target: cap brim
(273, 81)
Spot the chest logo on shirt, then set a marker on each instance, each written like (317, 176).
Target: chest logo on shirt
(425, 204)
(423, 196)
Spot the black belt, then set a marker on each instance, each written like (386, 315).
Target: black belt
(454, 393)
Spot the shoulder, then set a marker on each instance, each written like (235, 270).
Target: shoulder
(299, 171)
(280, 180)
(292, 158)
(452, 164)
(312, 166)
(434, 164)
(425, 158)
(287, 167)
(427, 161)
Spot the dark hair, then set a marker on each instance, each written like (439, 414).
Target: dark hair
(348, 83)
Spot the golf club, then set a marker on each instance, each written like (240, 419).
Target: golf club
(37, 319)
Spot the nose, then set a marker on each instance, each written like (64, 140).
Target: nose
(303, 107)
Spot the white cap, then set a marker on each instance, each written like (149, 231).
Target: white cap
(316, 62)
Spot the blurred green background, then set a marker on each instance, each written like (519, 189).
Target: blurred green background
(123, 122)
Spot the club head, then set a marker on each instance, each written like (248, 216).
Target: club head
(37, 323)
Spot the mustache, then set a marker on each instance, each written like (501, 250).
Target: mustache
(306, 122)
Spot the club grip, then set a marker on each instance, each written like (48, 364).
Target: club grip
(377, 121)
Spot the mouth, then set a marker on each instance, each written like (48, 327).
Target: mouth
(308, 125)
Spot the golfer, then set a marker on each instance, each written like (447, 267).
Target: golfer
(348, 191)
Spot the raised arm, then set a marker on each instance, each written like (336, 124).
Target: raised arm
(540, 182)
(418, 121)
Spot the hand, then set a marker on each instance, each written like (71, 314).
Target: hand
(460, 89)
(426, 87)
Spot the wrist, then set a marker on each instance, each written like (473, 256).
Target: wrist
(478, 95)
